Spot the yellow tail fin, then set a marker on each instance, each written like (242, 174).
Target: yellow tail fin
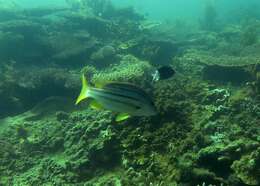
(83, 92)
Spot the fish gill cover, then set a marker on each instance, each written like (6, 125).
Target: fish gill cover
(206, 130)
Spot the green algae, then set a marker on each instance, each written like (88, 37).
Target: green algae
(77, 146)
(246, 168)
(206, 132)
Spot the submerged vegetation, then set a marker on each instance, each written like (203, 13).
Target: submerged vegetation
(206, 131)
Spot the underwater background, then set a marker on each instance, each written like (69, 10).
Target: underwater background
(207, 127)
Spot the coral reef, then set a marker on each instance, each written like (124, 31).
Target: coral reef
(17, 95)
(225, 60)
(206, 131)
(249, 174)
(224, 68)
(104, 56)
(249, 36)
(129, 69)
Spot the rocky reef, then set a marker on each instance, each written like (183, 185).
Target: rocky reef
(206, 131)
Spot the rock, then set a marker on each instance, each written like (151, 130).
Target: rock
(104, 56)
(8, 44)
(247, 168)
(68, 50)
(222, 158)
(158, 52)
(96, 26)
(224, 68)
(25, 27)
(235, 75)
(61, 115)
(96, 144)
(28, 36)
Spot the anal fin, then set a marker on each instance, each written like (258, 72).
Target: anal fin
(122, 117)
(96, 105)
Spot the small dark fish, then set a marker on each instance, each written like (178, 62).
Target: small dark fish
(162, 73)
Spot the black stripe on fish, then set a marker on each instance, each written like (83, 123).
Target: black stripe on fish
(126, 102)
(127, 87)
(119, 94)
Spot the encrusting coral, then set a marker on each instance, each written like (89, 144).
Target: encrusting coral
(206, 131)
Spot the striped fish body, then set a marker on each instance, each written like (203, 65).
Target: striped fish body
(120, 98)
(123, 97)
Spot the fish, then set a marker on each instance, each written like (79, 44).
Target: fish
(126, 99)
(162, 73)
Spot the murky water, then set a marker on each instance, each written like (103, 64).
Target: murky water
(167, 92)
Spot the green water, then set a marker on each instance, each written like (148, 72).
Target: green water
(171, 97)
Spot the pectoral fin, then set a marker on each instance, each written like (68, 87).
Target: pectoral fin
(122, 117)
(96, 105)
